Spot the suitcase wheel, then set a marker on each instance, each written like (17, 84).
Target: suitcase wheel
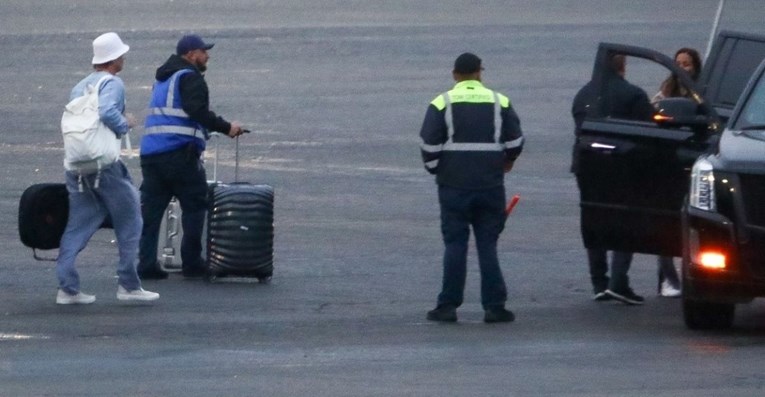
(211, 276)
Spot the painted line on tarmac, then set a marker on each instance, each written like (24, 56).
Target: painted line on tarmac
(16, 336)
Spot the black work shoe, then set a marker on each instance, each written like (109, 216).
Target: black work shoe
(499, 315)
(195, 272)
(446, 314)
(152, 274)
(626, 296)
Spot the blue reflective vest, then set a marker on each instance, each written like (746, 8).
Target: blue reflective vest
(167, 126)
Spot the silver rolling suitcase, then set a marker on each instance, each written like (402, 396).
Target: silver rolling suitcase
(170, 236)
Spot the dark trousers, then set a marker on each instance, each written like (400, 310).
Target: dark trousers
(598, 261)
(179, 173)
(620, 265)
(483, 210)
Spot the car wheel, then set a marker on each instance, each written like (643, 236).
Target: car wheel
(703, 315)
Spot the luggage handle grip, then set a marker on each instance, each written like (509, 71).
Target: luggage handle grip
(236, 161)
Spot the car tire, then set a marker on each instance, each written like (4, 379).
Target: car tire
(704, 315)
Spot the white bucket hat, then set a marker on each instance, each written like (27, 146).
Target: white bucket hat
(108, 47)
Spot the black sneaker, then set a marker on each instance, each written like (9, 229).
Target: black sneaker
(626, 296)
(152, 274)
(601, 296)
(499, 315)
(444, 314)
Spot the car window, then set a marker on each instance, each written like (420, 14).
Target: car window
(650, 76)
(729, 72)
(753, 112)
(642, 82)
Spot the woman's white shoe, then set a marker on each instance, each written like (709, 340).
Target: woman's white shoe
(668, 291)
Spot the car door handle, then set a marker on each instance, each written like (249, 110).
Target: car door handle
(602, 146)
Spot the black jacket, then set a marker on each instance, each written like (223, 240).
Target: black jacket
(620, 99)
(195, 96)
(624, 100)
(474, 157)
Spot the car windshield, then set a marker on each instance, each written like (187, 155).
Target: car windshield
(751, 122)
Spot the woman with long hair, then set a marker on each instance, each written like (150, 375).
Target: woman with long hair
(690, 61)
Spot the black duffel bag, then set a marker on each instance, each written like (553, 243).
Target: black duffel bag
(43, 212)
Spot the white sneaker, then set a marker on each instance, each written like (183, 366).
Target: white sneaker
(136, 295)
(77, 299)
(668, 291)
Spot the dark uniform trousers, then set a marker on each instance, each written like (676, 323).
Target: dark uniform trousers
(483, 210)
(178, 173)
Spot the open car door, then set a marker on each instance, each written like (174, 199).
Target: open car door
(633, 175)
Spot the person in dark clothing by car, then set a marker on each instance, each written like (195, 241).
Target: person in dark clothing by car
(620, 99)
(175, 135)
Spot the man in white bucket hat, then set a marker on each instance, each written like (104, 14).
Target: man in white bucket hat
(108, 47)
(105, 189)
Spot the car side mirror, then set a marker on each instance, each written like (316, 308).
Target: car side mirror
(680, 112)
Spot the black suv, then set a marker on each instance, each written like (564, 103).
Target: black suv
(684, 184)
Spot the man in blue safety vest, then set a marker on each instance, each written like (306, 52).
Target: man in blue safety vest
(175, 135)
(471, 137)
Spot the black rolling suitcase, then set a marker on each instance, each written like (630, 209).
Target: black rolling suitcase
(240, 229)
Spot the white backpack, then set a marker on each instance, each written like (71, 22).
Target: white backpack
(89, 145)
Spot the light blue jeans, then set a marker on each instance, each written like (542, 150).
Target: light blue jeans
(116, 197)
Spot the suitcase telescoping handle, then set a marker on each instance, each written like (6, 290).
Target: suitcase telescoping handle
(236, 158)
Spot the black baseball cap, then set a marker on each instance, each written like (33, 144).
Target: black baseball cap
(191, 42)
(467, 63)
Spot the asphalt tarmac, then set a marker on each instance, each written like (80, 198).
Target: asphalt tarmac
(335, 92)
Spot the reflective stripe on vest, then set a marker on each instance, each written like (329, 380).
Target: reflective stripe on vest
(450, 145)
(170, 118)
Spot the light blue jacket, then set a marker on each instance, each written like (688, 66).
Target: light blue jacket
(111, 101)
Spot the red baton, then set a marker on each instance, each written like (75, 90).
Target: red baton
(511, 204)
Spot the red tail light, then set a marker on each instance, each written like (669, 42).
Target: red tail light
(712, 260)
